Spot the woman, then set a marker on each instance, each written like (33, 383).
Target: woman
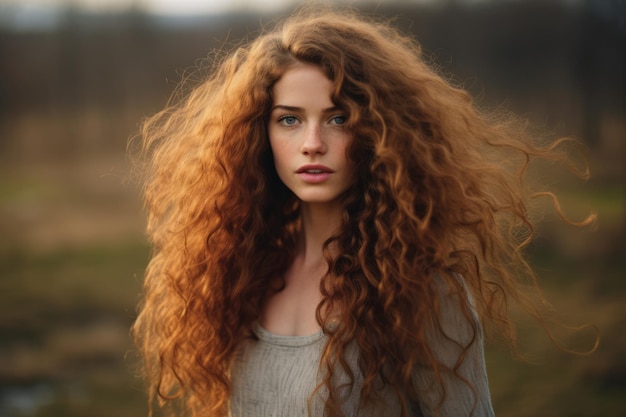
(332, 224)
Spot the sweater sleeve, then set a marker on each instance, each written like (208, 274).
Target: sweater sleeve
(466, 394)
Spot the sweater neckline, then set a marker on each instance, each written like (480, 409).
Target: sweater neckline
(282, 340)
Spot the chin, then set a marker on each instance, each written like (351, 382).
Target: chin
(319, 198)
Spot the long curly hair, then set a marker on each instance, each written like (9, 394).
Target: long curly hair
(441, 193)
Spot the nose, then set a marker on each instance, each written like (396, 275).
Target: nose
(314, 141)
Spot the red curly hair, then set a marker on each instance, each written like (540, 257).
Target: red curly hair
(440, 194)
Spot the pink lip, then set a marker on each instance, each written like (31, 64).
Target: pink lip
(320, 173)
(322, 168)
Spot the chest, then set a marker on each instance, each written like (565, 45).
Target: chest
(270, 379)
(277, 376)
(291, 311)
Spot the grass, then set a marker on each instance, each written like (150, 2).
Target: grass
(557, 383)
(65, 319)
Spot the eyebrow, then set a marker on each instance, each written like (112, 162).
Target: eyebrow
(300, 109)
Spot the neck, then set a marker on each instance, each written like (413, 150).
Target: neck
(319, 222)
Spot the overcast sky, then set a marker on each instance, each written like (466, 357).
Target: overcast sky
(180, 7)
(39, 14)
(44, 14)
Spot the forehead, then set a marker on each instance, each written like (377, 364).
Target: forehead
(305, 83)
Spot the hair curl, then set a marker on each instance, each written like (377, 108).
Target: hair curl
(440, 193)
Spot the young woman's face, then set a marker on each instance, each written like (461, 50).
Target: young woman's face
(308, 137)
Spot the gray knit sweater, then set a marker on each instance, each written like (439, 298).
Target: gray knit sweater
(275, 375)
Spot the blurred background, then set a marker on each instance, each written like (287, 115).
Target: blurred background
(78, 76)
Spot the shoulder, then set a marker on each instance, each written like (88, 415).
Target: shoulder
(454, 325)
(458, 385)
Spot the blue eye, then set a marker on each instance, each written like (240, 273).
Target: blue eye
(288, 120)
(338, 120)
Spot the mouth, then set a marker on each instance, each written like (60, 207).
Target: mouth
(314, 174)
(314, 169)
